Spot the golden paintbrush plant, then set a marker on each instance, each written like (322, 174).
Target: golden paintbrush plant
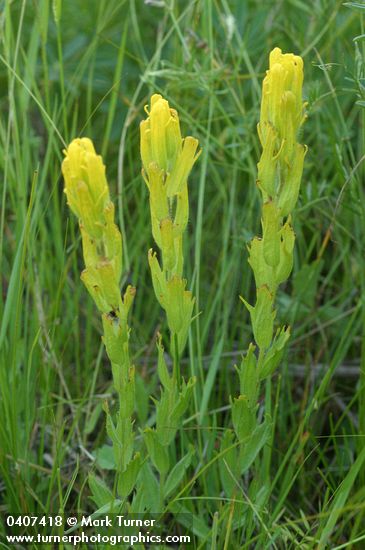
(279, 175)
(167, 161)
(88, 197)
(271, 256)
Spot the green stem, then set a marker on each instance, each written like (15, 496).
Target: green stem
(176, 371)
(162, 485)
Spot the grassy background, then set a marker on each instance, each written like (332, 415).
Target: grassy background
(87, 69)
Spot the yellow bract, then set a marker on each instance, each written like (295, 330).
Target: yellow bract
(281, 163)
(162, 146)
(87, 192)
(161, 140)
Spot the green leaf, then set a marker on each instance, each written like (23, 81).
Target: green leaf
(250, 450)
(115, 339)
(263, 273)
(195, 524)
(262, 317)
(149, 487)
(243, 417)
(162, 370)
(287, 240)
(142, 397)
(271, 234)
(165, 427)
(127, 478)
(127, 393)
(177, 472)
(275, 353)
(248, 373)
(101, 494)
(290, 189)
(158, 278)
(211, 376)
(158, 453)
(104, 457)
(93, 418)
(183, 401)
(179, 304)
(43, 18)
(228, 463)
(267, 166)
(111, 507)
(339, 501)
(167, 245)
(122, 437)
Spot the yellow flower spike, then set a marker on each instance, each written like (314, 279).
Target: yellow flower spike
(161, 141)
(87, 191)
(282, 92)
(86, 187)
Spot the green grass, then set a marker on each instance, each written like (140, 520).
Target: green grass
(90, 73)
